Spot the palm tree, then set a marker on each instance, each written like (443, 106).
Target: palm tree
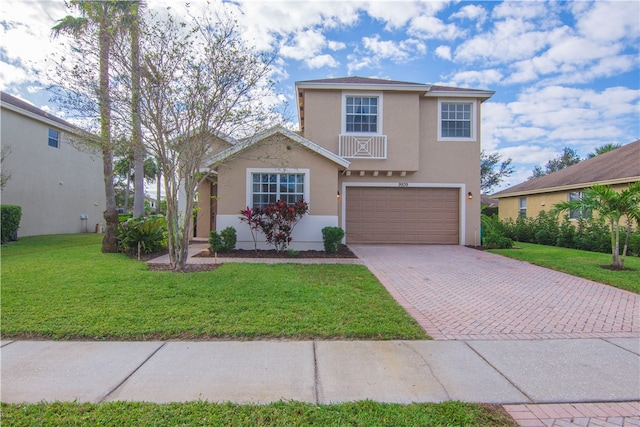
(99, 13)
(613, 206)
(603, 149)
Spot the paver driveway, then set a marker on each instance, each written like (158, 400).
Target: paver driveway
(459, 293)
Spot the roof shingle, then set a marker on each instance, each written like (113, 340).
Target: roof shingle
(618, 165)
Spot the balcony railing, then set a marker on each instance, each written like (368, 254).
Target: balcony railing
(363, 146)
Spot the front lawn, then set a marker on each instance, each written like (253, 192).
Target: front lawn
(365, 413)
(63, 287)
(578, 263)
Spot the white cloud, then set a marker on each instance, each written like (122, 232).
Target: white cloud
(396, 51)
(609, 21)
(472, 12)
(334, 45)
(443, 52)
(481, 78)
(305, 44)
(321, 61)
(430, 27)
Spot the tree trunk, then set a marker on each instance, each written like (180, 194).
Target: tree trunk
(615, 236)
(158, 186)
(136, 132)
(110, 240)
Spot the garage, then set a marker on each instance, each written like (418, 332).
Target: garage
(418, 215)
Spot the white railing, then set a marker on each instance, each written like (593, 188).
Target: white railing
(363, 146)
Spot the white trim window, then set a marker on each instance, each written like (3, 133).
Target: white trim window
(54, 138)
(269, 186)
(456, 120)
(522, 207)
(362, 113)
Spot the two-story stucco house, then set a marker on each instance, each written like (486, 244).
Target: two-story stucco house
(388, 161)
(56, 179)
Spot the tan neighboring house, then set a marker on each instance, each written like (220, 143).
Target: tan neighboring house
(59, 187)
(388, 161)
(617, 168)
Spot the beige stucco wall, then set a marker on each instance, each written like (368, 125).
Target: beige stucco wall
(54, 186)
(277, 153)
(509, 207)
(400, 123)
(441, 163)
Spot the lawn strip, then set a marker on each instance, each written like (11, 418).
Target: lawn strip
(63, 287)
(579, 263)
(364, 413)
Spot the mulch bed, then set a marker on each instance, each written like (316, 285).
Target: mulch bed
(343, 252)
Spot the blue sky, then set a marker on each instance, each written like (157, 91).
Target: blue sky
(564, 73)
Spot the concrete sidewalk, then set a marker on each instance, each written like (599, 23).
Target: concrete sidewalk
(506, 372)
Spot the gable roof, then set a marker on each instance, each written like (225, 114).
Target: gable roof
(618, 166)
(18, 105)
(248, 142)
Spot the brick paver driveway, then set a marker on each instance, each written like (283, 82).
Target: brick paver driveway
(459, 293)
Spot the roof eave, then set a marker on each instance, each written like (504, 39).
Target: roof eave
(396, 87)
(578, 186)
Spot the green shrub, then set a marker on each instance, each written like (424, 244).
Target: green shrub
(634, 244)
(493, 236)
(124, 217)
(493, 240)
(593, 235)
(143, 235)
(225, 241)
(10, 216)
(566, 234)
(546, 229)
(332, 237)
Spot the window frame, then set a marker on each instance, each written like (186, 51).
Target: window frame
(472, 119)
(56, 138)
(575, 215)
(276, 171)
(379, 114)
(522, 207)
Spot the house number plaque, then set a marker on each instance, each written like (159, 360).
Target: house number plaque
(403, 184)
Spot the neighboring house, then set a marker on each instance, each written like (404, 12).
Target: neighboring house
(388, 161)
(59, 186)
(617, 168)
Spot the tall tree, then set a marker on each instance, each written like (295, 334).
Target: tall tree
(489, 175)
(568, 157)
(199, 81)
(100, 15)
(613, 206)
(603, 149)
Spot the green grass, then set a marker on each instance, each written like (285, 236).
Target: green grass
(63, 287)
(364, 413)
(578, 263)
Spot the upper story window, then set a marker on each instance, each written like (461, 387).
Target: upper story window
(522, 207)
(54, 138)
(456, 121)
(362, 113)
(268, 187)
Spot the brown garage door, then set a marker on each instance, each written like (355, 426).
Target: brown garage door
(402, 215)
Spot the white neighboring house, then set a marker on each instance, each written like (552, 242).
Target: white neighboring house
(59, 186)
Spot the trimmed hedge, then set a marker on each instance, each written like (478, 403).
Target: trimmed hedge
(332, 237)
(10, 216)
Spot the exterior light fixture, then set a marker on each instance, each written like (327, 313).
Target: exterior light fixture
(338, 195)
(469, 195)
